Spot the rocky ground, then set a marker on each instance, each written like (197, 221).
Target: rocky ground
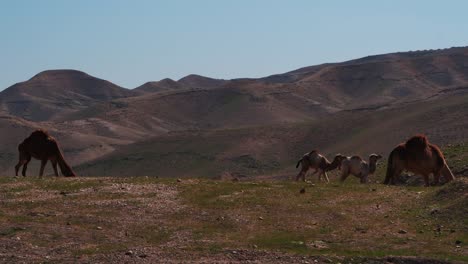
(148, 220)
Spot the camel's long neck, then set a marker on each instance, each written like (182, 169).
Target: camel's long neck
(333, 165)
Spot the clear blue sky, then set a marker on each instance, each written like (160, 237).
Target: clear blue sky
(131, 42)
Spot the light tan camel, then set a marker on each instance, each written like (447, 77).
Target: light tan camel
(358, 167)
(40, 145)
(315, 160)
(417, 155)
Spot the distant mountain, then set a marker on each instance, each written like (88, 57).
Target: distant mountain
(242, 125)
(188, 82)
(55, 92)
(162, 85)
(269, 150)
(196, 81)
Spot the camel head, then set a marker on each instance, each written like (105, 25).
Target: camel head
(373, 158)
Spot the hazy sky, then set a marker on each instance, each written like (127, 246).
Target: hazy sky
(131, 42)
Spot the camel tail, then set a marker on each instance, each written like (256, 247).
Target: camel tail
(298, 163)
(64, 167)
(447, 173)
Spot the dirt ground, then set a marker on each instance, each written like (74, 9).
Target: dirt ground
(149, 220)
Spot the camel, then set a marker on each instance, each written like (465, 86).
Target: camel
(40, 145)
(358, 167)
(417, 155)
(314, 160)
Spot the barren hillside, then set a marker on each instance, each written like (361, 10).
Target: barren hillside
(246, 126)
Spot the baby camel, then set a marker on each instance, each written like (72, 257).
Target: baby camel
(315, 160)
(358, 167)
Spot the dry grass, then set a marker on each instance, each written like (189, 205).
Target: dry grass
(149, 219)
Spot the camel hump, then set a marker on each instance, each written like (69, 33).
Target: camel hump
(417, 142)
(40, 134)
(438, 153)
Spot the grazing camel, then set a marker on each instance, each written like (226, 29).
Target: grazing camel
(417, 155)
(40, 145)
(358, 167)
(314, 160)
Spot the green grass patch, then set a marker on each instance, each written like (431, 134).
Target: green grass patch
(282, 240)
(102, 248)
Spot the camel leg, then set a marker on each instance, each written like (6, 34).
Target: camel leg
(54, 166)
(394, 178)
(25, 166)
(301, 174)
(426, 180)
(41, 171)
(344, 174)
(326, 176)
(320, 172)
(18, 166)
(364, 178)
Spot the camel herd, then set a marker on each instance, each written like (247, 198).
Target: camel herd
(416, 155)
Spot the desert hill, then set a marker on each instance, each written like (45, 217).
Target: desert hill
(268, 150)
(56, 92)
(191, 81)
(245, 126)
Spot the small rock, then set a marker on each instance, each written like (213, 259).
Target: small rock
(99, 228)
(63, 193)
(234, 252)
(373, 189)
(458, 242)
(452, 231)
(129, 253)
(302, 191)
(179, 180)
(68, 223)
(142, 255)
(319, 244)
(255, 246)
(402, 231)
(434, 211)
(260, 218)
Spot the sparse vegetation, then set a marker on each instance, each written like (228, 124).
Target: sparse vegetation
(107, 218)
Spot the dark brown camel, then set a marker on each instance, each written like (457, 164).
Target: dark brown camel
(40, 145)
(315, 160)
(417, 155)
